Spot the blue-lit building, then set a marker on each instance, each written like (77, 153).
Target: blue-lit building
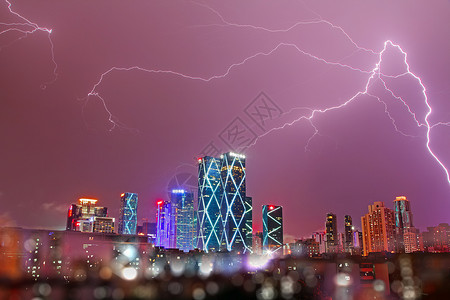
(210, 225)
(183, 216)
(234, 210)
(128, 213)
(272, 216)
(163, 220)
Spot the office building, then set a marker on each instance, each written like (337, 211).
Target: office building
(407, 236)
(332, 242)
(249, 223)
(378, 228)
(272, 216)
(348, 234)
(164, 228)
(128, 213)
(233, 206)
(87, 217)
(210, 225)
(183, 214)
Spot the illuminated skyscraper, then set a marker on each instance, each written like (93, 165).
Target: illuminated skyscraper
(128, 213)
(407, 236)
(87, 217)
(183, 215)
(331, 233)
(378, 228)
(210, 225)
(249, 222)
(163, 218)
(234, 211)
(348, 228)
(272, 216)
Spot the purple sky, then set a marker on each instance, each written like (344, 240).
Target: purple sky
(57, 146)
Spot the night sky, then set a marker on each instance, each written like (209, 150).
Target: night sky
(59, 144)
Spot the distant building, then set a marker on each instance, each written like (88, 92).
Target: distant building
(407, 236)
(437, 239)
(272, 216)
(348, 234)
(163, 224)
(357, 242)
(305, 247)
(331, 233)
(128, 213)
(183, 214)
(148, 229)
(87, 217)
(378, 228)
(320, 238)
(257, 242)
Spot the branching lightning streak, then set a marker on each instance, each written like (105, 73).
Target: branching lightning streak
(26, 28)
(373, 75)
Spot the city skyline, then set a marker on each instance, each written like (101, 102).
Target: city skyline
(146, 137)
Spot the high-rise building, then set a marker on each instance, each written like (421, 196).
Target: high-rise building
(378, 228)
(272, 216)
(183, 206)
(87, 217)
(234, 211)
(249, 223)
(331, 233)
(407, 236)
(224, 210)
(128, 213)
(163, 220)
(210, 225)
(348, 232)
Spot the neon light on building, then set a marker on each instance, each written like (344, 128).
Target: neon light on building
(272, 216)
(128, 213)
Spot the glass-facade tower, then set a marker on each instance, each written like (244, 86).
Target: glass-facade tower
(233, 206)
(272, 240)
(210, 225)
(128, 213)
(183, 204)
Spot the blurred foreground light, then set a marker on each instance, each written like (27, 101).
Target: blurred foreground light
(129, 273)
(198, 294)
(130, 252)
(177, 267)
(212, 288)
(257, 262)
(378, 285)
(105, 273)
(343, 279)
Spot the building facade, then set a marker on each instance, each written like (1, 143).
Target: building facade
(407, 236)
(183, 215)
(348, 234)
(272, 216)
(234, 210)
(224, 210)
(128, 213)
(332, 241)
(210, 224)
(378, 229)
(87, 217)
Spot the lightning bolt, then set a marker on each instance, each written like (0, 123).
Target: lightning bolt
(373, 75)
(25, 28)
